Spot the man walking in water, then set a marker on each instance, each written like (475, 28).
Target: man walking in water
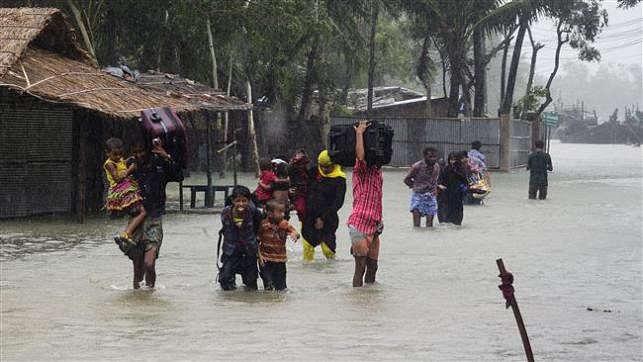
(538, 164)
(365, 222)
(154, 170)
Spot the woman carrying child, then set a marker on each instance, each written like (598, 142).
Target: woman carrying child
(272, 235)
(325, 197)
(299, 173)
(240, 221)
(123, 196)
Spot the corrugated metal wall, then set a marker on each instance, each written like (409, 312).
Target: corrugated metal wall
(35, 156)
(445, 134)
(520, 142)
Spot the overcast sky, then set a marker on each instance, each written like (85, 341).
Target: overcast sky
(620, 42)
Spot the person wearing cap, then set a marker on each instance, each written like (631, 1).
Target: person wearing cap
(326, 192)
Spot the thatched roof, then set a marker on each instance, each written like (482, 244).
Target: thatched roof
(40, 55)
(55, 78)
(43, 27)
(200, 94)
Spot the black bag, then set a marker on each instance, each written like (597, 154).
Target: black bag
(164, 123)
(378, 144)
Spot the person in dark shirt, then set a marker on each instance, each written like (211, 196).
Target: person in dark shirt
(538, 164)
(241, 221)
(453, 186)
(154, 169)
(326, 191)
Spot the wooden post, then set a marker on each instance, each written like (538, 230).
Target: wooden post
(514, 306)
(208, 146)
(505, 142)
(82, 170)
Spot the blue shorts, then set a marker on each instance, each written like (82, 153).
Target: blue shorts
(425, 203)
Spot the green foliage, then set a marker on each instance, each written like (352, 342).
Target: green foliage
(532, 100)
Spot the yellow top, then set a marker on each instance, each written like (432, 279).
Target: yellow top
(121, 169)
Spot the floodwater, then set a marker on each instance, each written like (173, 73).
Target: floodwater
(576, 257)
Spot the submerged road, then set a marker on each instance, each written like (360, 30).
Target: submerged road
(576, 257)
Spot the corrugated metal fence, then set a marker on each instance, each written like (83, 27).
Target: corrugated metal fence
(520, 142)
(445, 134)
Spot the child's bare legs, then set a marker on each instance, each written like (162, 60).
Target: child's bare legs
(135, 222)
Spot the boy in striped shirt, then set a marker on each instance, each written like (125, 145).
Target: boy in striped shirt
(365, 222)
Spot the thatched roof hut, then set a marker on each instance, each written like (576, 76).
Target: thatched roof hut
(39, 55)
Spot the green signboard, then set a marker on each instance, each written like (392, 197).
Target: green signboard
(550, 119)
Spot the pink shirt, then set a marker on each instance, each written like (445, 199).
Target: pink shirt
(367, 198)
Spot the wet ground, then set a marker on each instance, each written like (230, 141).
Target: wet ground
(66, 289)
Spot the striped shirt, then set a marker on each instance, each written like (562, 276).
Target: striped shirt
(367, 198)
(272, 240)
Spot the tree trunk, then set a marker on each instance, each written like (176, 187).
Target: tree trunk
(215, 77)
(513, 70)
(424, 71)
(454, 92)
(534, 54)
(371, 56)
(503, 69)
(309, 80)
(480, 71)
(348, 78)
(159, 50)
(548, 100)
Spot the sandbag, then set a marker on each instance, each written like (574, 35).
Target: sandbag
(378, 144)
(165, 124)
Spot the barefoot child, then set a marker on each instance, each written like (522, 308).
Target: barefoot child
(123, 196)
(272, 237)
(241, 221)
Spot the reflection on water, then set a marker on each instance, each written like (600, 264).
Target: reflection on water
(65, 289)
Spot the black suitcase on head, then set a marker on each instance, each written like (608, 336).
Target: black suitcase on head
(378, 144)
(165, 124)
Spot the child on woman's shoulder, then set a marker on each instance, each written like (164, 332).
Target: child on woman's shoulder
(241, 221)
(272, 236)
(123, 196)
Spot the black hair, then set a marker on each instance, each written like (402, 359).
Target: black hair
(113, 142)
(539, 144)
(265, 164)
(241, 191)
(429, 149)
(281, 169)
(463, 154)
(476, 145)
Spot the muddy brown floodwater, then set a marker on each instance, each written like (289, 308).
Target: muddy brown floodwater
(66, 289)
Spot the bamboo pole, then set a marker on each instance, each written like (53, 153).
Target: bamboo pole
(513, 303)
